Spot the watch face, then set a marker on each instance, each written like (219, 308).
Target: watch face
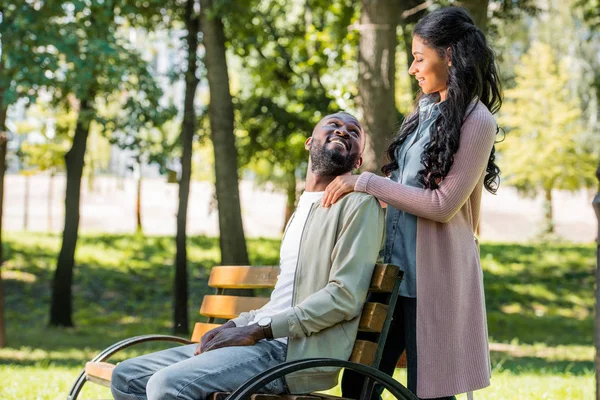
(264, 321)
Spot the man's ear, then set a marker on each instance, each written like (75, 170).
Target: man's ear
(358, 163)
(307, 143)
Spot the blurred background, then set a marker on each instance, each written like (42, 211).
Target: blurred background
(144, 141)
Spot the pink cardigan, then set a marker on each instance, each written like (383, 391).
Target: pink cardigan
(452, 337)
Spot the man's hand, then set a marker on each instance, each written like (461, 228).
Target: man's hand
(211, 334)
(242, 336)
(339, 187)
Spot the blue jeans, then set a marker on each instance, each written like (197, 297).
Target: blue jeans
(177, 374)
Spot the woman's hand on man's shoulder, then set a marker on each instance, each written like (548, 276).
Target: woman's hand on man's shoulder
(338, 188)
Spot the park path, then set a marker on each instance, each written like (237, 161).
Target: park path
(110, 207)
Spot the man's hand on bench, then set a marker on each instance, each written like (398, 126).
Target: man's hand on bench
(232, 336)
(207, 337)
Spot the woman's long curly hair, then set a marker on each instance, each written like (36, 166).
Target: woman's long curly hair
(473, 75)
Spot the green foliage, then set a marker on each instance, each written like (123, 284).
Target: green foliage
(144, 128)
(48, 153)
(289, 52)
(45, 156)
(591, 12)
(98, 60)
(87, 42)
(540, 319)
(29, 57)
(544, 149)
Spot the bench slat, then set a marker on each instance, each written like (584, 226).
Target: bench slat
(243, 277)
(371, 320)
(363, 352)
(99, 372)
(384, 278)
(228, 307)
(373, 317)
(246, 277)
(200, 329)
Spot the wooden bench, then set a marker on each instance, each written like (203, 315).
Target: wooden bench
(373, 326)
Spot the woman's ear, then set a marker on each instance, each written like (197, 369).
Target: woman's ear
(449, 56)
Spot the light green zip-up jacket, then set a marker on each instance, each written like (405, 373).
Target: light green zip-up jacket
(338, 252)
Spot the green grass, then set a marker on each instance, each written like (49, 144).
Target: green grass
(539, 299)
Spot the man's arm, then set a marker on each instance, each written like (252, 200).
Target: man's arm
(353, 261)
(341, 299)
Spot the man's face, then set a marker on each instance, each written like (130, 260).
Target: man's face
(336, 145)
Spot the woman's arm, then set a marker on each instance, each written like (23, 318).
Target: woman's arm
(477, 137)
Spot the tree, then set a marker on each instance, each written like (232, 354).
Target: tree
(55, 126)
(188, 129)
(47, 156)
(173, 14)
(98, 62)
(25, 65)
(544, 150)
(377, 77)
(296, 68)
(479, 11)
(24, 128)
(220, 112)
(591, 12)
(3, 143)
(144, 133)
(170, 15)
(274, 146)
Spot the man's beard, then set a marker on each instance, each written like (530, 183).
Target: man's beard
(330, 162)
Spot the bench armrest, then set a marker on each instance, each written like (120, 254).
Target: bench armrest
(115, 348)
(254, 384)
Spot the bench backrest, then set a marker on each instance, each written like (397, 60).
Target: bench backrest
(374, 321)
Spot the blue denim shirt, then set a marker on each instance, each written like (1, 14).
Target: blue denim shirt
(401, 227)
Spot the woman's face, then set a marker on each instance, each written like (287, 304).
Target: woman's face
(430, 70)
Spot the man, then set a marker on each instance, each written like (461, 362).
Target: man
(326, 262)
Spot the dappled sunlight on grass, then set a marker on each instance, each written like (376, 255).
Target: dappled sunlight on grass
(539, 300)
(26, 277)
(539, 293)
(43, 383)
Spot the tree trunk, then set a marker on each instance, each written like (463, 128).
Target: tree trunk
(90, 174)
(26, 203)
(3, 146)
(138, 207)
(220, 112)
(407, 38)
(376, 77)
(61, 308)
(548, 213)
(291, 197)
(478, 10)
(188, 129)
(138, 200)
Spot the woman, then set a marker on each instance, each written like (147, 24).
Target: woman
(440, 160)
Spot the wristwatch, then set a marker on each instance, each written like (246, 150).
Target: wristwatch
(265, 325)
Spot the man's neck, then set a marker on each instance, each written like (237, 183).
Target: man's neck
(318, 183)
